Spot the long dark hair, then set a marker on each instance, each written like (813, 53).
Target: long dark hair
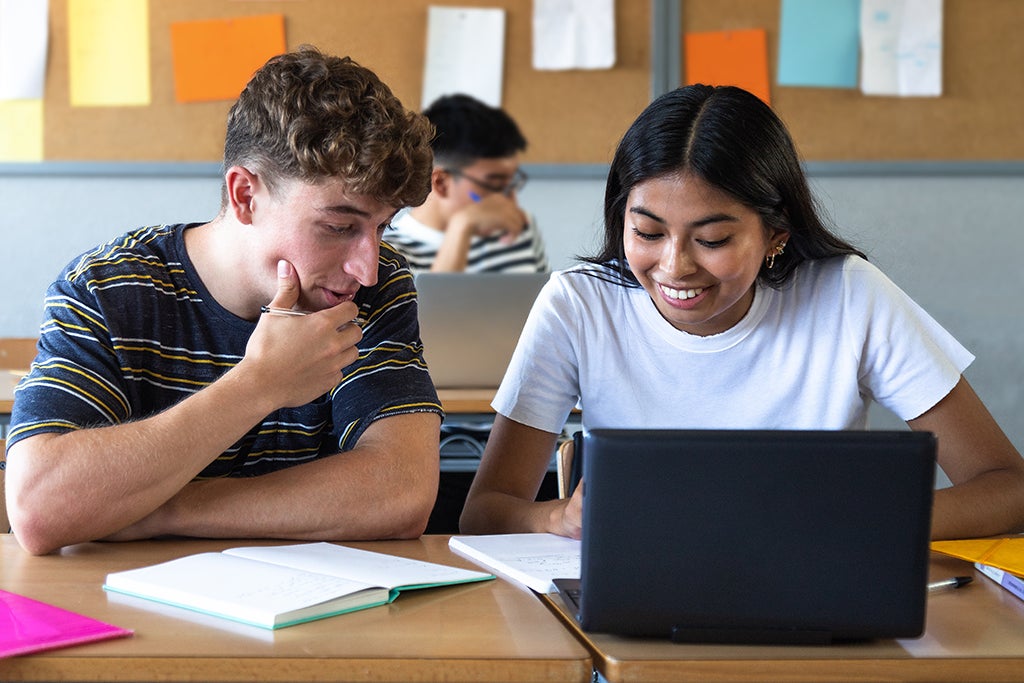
(733, 141)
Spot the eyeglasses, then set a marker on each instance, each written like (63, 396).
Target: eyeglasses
(514, 185)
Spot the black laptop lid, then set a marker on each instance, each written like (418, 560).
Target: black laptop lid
(756, 536)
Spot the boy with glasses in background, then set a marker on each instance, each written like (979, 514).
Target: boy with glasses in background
(471, 221)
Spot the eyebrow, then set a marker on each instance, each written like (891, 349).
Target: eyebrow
(699, 223)
(347, 209)
(350, 210)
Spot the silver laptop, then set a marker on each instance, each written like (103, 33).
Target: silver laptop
(755, 536)
(470, 324)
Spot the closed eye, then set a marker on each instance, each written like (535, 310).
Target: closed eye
(713, 244)
(647, 236)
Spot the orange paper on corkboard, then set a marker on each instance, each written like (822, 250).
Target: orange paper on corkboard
(214, 58)
(737, 58)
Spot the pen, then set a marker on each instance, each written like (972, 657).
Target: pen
(949, 584)
(273, 310)
(476, 198)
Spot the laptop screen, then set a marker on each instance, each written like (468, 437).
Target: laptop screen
(756, 536)
(470, 324)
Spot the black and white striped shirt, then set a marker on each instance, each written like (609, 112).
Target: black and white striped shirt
(419, 244)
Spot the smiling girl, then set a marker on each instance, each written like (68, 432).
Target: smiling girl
(720, 300)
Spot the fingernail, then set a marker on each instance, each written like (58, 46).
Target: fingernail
(283, 269)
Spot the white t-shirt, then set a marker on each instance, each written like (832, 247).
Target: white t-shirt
(811, 355)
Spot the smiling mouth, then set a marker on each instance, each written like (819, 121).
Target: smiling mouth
(680, 294)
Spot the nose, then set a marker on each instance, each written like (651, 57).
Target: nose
(676, 260)
(361, 261)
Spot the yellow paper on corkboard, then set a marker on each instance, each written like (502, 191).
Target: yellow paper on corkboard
(21, 130)
(108, 52)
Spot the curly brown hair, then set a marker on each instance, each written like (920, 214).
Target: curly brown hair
(312, 116)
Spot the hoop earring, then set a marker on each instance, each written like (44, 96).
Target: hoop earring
(769, 260)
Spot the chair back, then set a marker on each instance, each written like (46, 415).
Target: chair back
(569, 465)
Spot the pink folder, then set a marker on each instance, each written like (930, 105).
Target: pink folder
(28, 625)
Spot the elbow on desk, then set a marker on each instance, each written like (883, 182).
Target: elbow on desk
(32, 527)
(39, 522)
(411, 531)
(35, 534)
(410, 521)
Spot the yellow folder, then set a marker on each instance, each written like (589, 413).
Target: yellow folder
(1005, 553)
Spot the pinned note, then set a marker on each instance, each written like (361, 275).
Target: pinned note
(21, 130)
(108, 43)
(819, 43)
(901, 47)
(24, 32)
(214, 58)
(737, 58)
(573, 34)
(465, 54)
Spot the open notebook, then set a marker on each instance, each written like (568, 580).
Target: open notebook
(470, 324)
(755, 536)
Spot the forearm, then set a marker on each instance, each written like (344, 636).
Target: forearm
(378, 490)
(305, 502)
(453, 254)
(502, 498)
(495, 512)
(87, 484)
(987, 472)
(988, 505)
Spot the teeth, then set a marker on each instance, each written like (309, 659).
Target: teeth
(680, 293)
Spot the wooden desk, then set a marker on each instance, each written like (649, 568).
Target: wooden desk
(466, 401)
(975, 633)
(490, 631)
(8, 380)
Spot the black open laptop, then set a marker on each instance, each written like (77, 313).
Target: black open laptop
(755, 536)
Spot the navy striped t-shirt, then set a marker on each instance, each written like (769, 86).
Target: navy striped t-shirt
(129, 330)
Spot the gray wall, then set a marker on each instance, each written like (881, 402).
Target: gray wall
(951, 241)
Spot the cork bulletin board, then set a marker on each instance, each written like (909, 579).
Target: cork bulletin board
(569, 117)
(573, 117)
(980, 115)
